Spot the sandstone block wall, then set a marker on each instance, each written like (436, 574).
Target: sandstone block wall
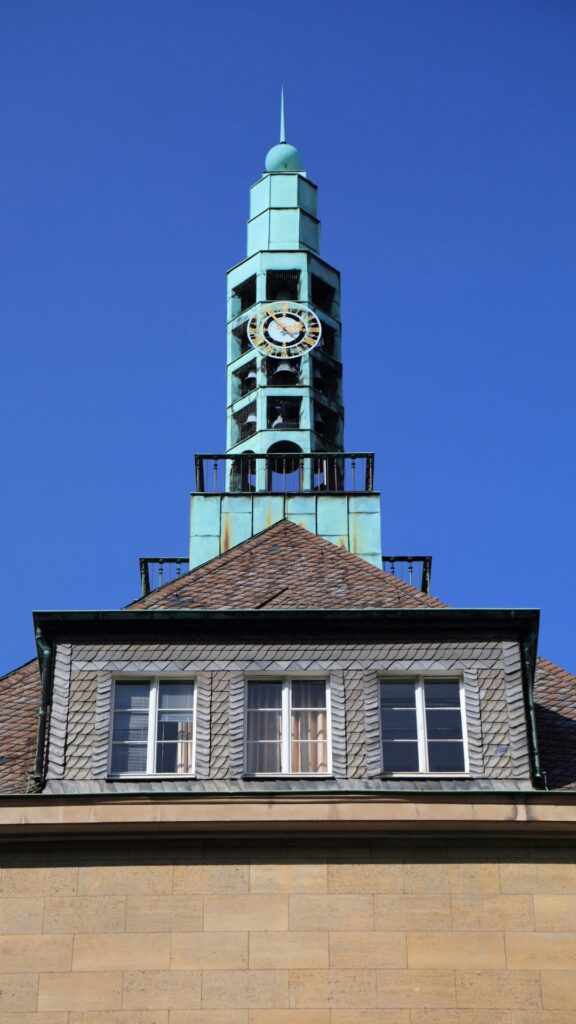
(319, 931)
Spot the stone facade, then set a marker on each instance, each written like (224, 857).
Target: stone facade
(83, 676)
(290, 931)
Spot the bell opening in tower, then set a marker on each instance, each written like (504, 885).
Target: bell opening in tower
(327, 341)
(245, 422)
(285, 471)
(245, 379)
(283, 374)
(283, 413)
(244, 295)
(321, 293)
(283, 285)
(241, 342)
(243, 473)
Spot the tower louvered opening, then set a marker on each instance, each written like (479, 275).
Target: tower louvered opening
(283, 284)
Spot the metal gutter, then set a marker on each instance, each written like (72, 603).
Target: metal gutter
(369, 794)
(527, 618)
(45, 658)
(529, 650)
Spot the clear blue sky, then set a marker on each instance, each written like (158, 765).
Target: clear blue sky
(441, 135)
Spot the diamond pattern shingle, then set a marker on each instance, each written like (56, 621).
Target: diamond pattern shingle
(286, 566)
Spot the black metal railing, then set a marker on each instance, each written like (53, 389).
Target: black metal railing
(413, 569)
(155, 572)
(286, 472)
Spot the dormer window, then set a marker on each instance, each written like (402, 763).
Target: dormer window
(152, 727)
(287, 727)
(422, 722)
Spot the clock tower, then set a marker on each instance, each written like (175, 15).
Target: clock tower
(285, 453)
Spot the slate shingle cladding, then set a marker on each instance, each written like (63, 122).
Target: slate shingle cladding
(491, 671)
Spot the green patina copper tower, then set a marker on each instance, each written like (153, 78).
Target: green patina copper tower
(285, 453)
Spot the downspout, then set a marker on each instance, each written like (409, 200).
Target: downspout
(529, 666)
(45, 660)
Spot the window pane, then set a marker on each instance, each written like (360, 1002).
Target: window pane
(263, 757)
(308, 725)
(174, 758)
(130, 725)
(399, 724)
(133, 696)
(400, 757)
(442, 693)
(128, 757)
(309, 757)
(446, 757)
(309, 695)
(398, 695)
(176, 695)
(174, 725)
(264, 725)
(443, 725)
(265, 695)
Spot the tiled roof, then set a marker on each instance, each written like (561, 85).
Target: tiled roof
(19, 701)
(555, 699)
(286, 566)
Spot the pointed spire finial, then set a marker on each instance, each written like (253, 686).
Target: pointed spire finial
(282, 157)
(282, 119)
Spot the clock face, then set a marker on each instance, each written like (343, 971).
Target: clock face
(284, 330)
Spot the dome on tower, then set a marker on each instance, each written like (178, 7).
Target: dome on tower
(283, 157)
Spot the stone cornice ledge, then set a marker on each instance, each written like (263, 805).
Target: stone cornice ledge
(536, 812)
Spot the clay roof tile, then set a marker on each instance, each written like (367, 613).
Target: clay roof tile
(286, 566)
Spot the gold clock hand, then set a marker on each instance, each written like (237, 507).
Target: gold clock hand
(283, 326)
(274, 316)
(293, 330)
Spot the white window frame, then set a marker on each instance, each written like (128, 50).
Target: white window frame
(153, 680)
(419, 678)
(286, 746)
